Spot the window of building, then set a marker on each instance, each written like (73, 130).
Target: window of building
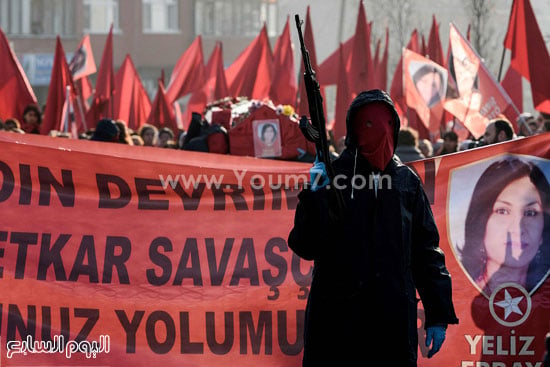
(99, 15)
(38, 17)
(235, 17)
(160, 16)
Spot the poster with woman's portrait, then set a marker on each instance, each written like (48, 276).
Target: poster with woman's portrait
(430, 80)
(267, 138)
(498, 221)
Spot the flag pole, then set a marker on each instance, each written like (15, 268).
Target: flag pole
(501, 63)
(503, 46)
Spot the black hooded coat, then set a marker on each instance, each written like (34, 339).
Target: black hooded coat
(369, 264)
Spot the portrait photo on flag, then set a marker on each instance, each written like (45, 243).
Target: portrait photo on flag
(82, 63)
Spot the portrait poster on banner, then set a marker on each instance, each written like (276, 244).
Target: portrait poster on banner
(267, 138)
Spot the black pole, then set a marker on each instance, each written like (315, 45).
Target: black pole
(501, 62)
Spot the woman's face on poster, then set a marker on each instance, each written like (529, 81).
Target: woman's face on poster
(429, 87)
(514, 230)
(268, 134)
(465, 73)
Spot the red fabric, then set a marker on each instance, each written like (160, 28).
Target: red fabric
(234, 233)
(102, 106)
(303, 104)
(82, 63)
(162, 112)
(529, 53)
(373, 129)
(435, 50)
(329, 68)
(214, 88)
(215, 74)
(397, 91)
(343, 100)
(250, 74)
(217, 143)
(360, 63)
(188, 73)
(284, 87)
(131, 103)
(86, 90)
(241, 141)
(222, 118)
(15, 91)
(512, 85)
(477, 104)
(430, 112)
(60, 79)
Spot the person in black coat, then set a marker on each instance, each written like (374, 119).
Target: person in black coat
(371, 258)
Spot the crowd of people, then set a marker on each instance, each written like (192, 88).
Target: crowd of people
(197, 137)
(410, 147)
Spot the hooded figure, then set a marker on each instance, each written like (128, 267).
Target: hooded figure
(369, 264)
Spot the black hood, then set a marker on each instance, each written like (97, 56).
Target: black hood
(362, 99)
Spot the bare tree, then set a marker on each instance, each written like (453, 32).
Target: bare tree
(399, 15)
(482, 31)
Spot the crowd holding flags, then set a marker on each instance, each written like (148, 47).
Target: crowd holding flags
(351, 68)
(155, 313)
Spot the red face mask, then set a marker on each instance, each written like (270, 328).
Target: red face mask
(373, 129)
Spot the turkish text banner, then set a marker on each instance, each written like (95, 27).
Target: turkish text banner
(117, 255)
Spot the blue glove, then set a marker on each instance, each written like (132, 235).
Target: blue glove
(437, 334)
(318, 175)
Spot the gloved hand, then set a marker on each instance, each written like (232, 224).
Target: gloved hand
(437, 334)
(318, 175)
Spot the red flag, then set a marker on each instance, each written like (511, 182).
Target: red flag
(303, 104)
(425, 87)
(61, 79)
(512, 84)
(529, 53)
(480, 96)
(131, 102)
(283, 87)
(102, 104)
(162, 112)
(397, 91)
(330, 67)
(250, 74)
(15, 91)
(343, 100)
(435, 50)
(360, 64)
(84, 86)
(215, 75)
(188, 73)
(215, 86)
(82, 63)
(72, 119)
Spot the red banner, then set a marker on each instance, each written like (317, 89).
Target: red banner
(141, 256)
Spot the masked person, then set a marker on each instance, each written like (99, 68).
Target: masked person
(371, 258)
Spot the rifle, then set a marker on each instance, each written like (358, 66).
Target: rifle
(315, 130)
